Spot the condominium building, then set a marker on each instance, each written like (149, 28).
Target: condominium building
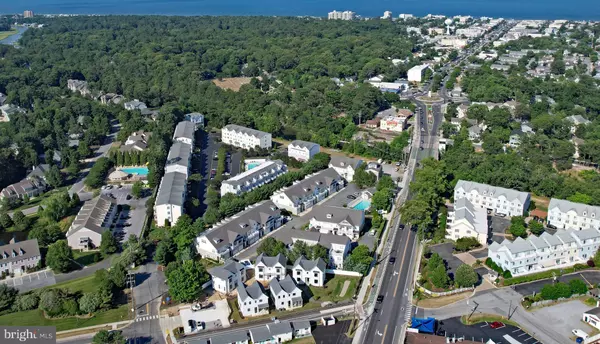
(338, 246)
(266, 268)
(343, 15)
(570, 215)
(32, 186)
(196, 118)
(285, 293)
(252, 300)
(95, 217)
(228, 277)
(338, 221)
(311, 272)
(137, 141)
(170, 199)
(17, 257)
(304, 194)
(184, 132)
(466, 220)
(345, 167)
(253, 178)
(245, 138)
(179, 158)
(303, 150)
(500, 200)
(546, 252)
(27, 14)
(228, 237)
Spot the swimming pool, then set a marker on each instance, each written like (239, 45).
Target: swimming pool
(139, 171)
(253, 165)
(362, 205)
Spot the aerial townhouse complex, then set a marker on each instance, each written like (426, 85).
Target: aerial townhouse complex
(170, 199)
(546, 252)
(17, 257)
(303, 150)
(233, 234)
(94, 218)
(338, 221)
(466, 220)
(246, 138)
(253, 178)
(493, 198)
(564, 214)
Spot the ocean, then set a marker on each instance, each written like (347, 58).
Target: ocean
(518, 9)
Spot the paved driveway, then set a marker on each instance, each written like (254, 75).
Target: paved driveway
(564, 317)
(481, 332)
(590, 277)
(445, 251)
(499, 224)
(31, 281)
(332, 334)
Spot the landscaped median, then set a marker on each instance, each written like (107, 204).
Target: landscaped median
(479, 318)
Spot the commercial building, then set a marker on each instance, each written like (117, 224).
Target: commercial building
(416, 73)
(343, 15)
(338, 221)
(500, 200)
(252, 300)
(565, 214)
(466, 220)
(17, 257)
(345, 167)
(311, 272)
(592, 317)
(228, 277)
(393, 123)
(94, 218)
(338, 246)
(304, 194)
(546, 252)
(233, 234)
(303, 150)
(170, 199)
(245, 138)
(253, 178)
(266, 268)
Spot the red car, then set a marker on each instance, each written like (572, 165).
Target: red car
(496, 325)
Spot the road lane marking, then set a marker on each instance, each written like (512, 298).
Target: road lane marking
(522, 334)
(384, 332)
(517, 330)
(402, 263)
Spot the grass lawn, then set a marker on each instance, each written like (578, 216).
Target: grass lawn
(333, 287)
(479, 318)
(305, 340)
(4, 34)
(86, 257)
(209, 263)
(36, 318)
(37, 200)
(84, 285)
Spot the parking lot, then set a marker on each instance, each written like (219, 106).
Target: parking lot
(332, 334)
(445, 251)
(482, 332)
(133, 211)
(31, 281)
(564, 317)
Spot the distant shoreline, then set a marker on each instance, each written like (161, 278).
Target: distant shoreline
(5, 34)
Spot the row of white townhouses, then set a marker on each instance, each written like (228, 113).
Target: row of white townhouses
(253, 178)
(246, 138)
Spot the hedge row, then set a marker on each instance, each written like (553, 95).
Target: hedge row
(544, 274)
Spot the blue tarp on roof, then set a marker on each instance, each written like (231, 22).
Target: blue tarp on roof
(426, 325)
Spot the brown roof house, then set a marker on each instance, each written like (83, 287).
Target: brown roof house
(94, 218)
(32, 186)
(17, 257)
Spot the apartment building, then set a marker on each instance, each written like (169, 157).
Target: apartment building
(345, 167)
(32, 186)
(179, 158)
(415, 74)
(304, 194)
(303, 150)
(137, 141)
(311, 272)
(466, 220)
(500, 200)
(196, 118)
(228, 237)
(266, 268)
(17, 257)
(546, 252)
(253, 178)
(252, 300)
(185, 132)
(565, 214)
(228, 277)
(338, 221)
(343, 15)
(246, 138)
(95, 217)
(285, 293)
(338, 246)
(170, 199)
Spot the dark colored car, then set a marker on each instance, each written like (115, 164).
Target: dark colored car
(392, 260)
(380, 299)
(351, 197)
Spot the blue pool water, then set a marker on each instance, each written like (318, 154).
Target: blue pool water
(362, 205)
(140, 171)
(253, 165)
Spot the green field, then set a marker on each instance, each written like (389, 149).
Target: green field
(85, 258)
(36, 318)
(333, 288)
(84, 285)
(4, 34)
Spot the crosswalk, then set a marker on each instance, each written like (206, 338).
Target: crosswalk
(407, 314)
(147, 317)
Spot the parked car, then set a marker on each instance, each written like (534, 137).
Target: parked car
(392, 260)
(580, 333)
(196, 307)
(380, 299)
(351, 197)
(496, 325)
(216, 155)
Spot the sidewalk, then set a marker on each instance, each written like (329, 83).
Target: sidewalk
(65, 334)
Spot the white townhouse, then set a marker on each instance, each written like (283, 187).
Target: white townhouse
(179, 158)
(228, 338)
(228, 237)
(304, 194)
(564, 214)
(252, 300)
(17, 257)
(338, 221)
(184, 132)
(285, 293)
(466, 220)
(311, 272)
(338, 246)
(272, 333)
(345, 167)
(226, 278)
(246, 138)
(196, 118)
(266, 268)
(546, 252)
(253, 178)
(500, 200)
(170, 199)
(302, 328)
(95, 217)
(303, 150)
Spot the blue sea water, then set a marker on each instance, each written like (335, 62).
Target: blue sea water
(529, 9)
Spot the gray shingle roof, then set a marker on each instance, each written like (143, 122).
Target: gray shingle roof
(580, 208)
(565, 236)
(309, 265)
(538, 243)
(340, 161)
(553, 240)
(338, 214)
(497, 191)
(287, 285)
(172, 187)
(184, 129)
(92, 215)
(39, 171)
(305, 187)
(303, 144)
(247, 131)
(260, 334)
(253, 291)
(179, 154)
(280, 328)
(265, 167)
(231, 267)
(230, 338)
(22, 250)
(519, 245)
(321, 238)
(301, 324)
(271, 261)
(594, 311)
(224, 233)
(586, 234)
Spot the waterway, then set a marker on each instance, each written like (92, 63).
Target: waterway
(12, 39)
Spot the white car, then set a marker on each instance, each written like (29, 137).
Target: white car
(196, 307)
(580, 333)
